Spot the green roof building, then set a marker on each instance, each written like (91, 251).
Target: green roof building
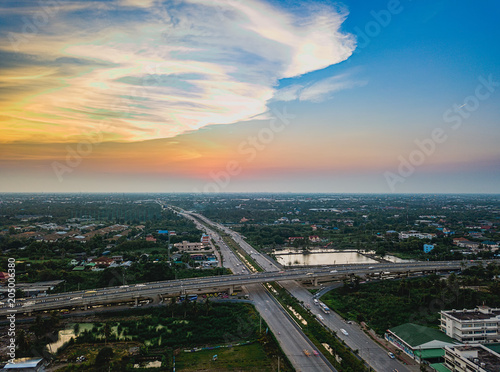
(419, 342)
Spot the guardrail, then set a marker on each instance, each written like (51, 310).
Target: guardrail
(149, 290)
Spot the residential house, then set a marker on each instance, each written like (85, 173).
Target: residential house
(428, 248)
(102, 261)
(3, 277)
(314, 239)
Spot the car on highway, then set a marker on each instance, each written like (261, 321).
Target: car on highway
(306, 352)
(344, 331)
(391, 355)
(124, 286)
(75, 298)
(315, 353)
(140, 285)
(333, 271)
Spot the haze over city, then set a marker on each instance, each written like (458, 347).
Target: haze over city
(236, 96)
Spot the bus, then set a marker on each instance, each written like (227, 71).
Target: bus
(325, 308)
(192, 297)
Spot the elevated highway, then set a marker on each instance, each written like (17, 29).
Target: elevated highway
(153, 290)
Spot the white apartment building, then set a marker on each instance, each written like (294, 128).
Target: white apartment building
(471, 358)
(480, 325)
(415, 234)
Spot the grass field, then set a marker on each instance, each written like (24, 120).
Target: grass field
(246, 358)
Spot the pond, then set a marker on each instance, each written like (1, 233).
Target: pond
(153, 364)
(290, 257)
(63, 336)
(321, 257)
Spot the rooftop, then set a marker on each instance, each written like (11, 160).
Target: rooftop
(23, 363)
(416, 335)
(481, 356)
(481, 312)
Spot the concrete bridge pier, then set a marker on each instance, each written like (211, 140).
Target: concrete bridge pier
(315, 282)
(230, 290)
(136, 301)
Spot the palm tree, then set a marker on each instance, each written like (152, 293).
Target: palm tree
(107, 332)
(208, 306)
(76, 329)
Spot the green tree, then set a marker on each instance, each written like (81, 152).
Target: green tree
(107, 332)
(103, 357)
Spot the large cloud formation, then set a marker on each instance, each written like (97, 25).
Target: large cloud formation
(134, 70)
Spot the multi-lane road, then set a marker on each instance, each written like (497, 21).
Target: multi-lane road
(355, 338)
(289, 335)
(292, 340)
(374, 354)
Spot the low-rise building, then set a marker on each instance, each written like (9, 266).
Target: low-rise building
(4, 277)
(314, 239)
(428, 248)
(479, 325)
(189, 247)
(102, 261)
(415, 234)
(25, 365)
(471, 358)
(419, 342)
(117, 259)
(205, 240)
(150, 238)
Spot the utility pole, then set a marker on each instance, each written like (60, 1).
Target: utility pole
(260, 323)
(278, 363)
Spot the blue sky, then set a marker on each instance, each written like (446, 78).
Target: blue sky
(195, 81)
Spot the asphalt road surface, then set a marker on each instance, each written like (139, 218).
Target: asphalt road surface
(369, 350)
(375, 355)
(291, 339)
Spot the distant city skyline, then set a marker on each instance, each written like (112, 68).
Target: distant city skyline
(250, 96)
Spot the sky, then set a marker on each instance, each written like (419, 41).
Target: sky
(249, 95)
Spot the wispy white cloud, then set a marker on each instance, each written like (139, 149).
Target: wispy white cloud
(168, 67)
(324, 89)
(318, 91)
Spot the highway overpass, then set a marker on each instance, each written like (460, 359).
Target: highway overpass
(154, 290)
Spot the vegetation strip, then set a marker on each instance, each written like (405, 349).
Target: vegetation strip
(342, 357)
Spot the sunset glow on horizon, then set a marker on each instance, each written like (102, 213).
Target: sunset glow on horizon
(253, 95)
